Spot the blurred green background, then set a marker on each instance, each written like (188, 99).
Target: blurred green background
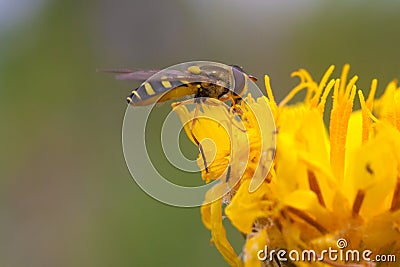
(66, 196)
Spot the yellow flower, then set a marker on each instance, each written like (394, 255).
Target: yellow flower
(326, 184)
(214, 136)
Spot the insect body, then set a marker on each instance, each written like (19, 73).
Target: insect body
(201, 81)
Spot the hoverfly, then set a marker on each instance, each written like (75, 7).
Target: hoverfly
(201, 81)
(205, 80)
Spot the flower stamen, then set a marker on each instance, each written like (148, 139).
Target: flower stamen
(314, 186)
(294, 91)
(308, 219)
(316, 98)
(270, 95)
(358, 202)
(371, 95)
(367, 116)
(340, 115)
(321, 105)
(343, 77)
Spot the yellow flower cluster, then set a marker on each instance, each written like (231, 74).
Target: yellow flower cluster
(324, 185)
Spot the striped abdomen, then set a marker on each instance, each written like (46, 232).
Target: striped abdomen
(159, 91)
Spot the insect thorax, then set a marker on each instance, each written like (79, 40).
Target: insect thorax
(211, 90)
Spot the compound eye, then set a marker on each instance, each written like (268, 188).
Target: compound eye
(237, 67)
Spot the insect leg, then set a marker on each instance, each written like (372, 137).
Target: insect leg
(228, 173)
(234, 109)
(201, 151)
(196, 112)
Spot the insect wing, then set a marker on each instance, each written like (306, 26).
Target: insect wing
(179, 76)
(166, 75)
(130, 74)
(139, 75)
